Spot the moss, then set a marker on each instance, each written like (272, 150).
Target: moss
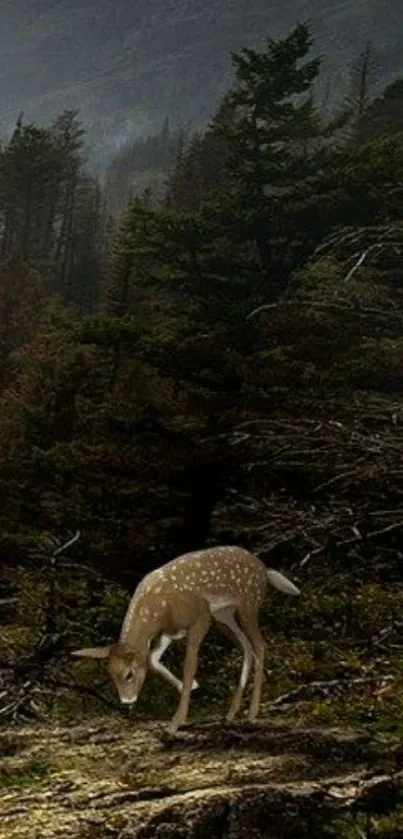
(10, 745)
(33, 771)
(389, 825)
(344, 828)
(357, 826)
(328, 634)
(15, 637)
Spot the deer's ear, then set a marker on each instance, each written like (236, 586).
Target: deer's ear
(93, 652)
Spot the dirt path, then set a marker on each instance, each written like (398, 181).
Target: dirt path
(111, 778)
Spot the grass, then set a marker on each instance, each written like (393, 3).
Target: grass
(334, 631)
(33, 771)
(338, 632)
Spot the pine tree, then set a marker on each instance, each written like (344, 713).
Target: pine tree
(383, 117)
(269, 115)
(274, 141)
(29, 169)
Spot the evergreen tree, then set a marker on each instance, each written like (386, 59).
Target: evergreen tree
(256, 165)
(383, 117)
(269, 116)
(361, 83)
(30, 168)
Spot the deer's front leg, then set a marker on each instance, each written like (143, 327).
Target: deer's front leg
(195, 636)
(158, 667)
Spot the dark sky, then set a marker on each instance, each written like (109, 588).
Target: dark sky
(126, 64)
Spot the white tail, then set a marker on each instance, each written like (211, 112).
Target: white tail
(280, 582)
(180, 599)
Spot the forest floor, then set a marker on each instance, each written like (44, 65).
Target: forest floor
(111, 778)
(324, 760)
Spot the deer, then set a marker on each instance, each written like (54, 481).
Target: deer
(181, 599)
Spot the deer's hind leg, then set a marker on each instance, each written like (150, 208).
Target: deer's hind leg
(226, 617)
(250, 625)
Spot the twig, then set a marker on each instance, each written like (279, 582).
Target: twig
(67, 544)
(323, 686)
(310, 554)
(362, 259)
(262, 308)
(387, 529)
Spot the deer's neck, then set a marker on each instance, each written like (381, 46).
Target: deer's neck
(141, 624)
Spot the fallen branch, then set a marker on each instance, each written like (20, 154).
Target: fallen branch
(323, 688)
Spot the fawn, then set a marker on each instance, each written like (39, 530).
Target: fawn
(180, 599)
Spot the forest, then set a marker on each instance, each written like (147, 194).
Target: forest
(217, 359)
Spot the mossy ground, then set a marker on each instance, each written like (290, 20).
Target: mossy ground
(335, 655)
(334, 631)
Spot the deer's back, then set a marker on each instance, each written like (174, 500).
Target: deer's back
(213, 571)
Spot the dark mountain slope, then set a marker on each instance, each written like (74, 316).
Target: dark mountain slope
(127, 65)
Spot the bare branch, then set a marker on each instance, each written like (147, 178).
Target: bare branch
(360, 261)
(67, 544)
(259, 309)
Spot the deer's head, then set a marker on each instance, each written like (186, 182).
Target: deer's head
(127, 668)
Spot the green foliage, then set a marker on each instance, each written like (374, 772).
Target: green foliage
(349, 827)
(390, 825)
(271, 125)
(79, 599)
(32, 771)
(22, 300)
(50, 209)
(272, 172)
(255, 166)
(383, 116)
(239, 380)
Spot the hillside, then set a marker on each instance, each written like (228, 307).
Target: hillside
(127, 66)
(220, 367)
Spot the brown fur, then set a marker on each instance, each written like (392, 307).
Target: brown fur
(227, 584)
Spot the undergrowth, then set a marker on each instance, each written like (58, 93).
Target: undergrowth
(341, 633)
(32, 771)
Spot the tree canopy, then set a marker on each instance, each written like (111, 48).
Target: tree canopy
(216, 351)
